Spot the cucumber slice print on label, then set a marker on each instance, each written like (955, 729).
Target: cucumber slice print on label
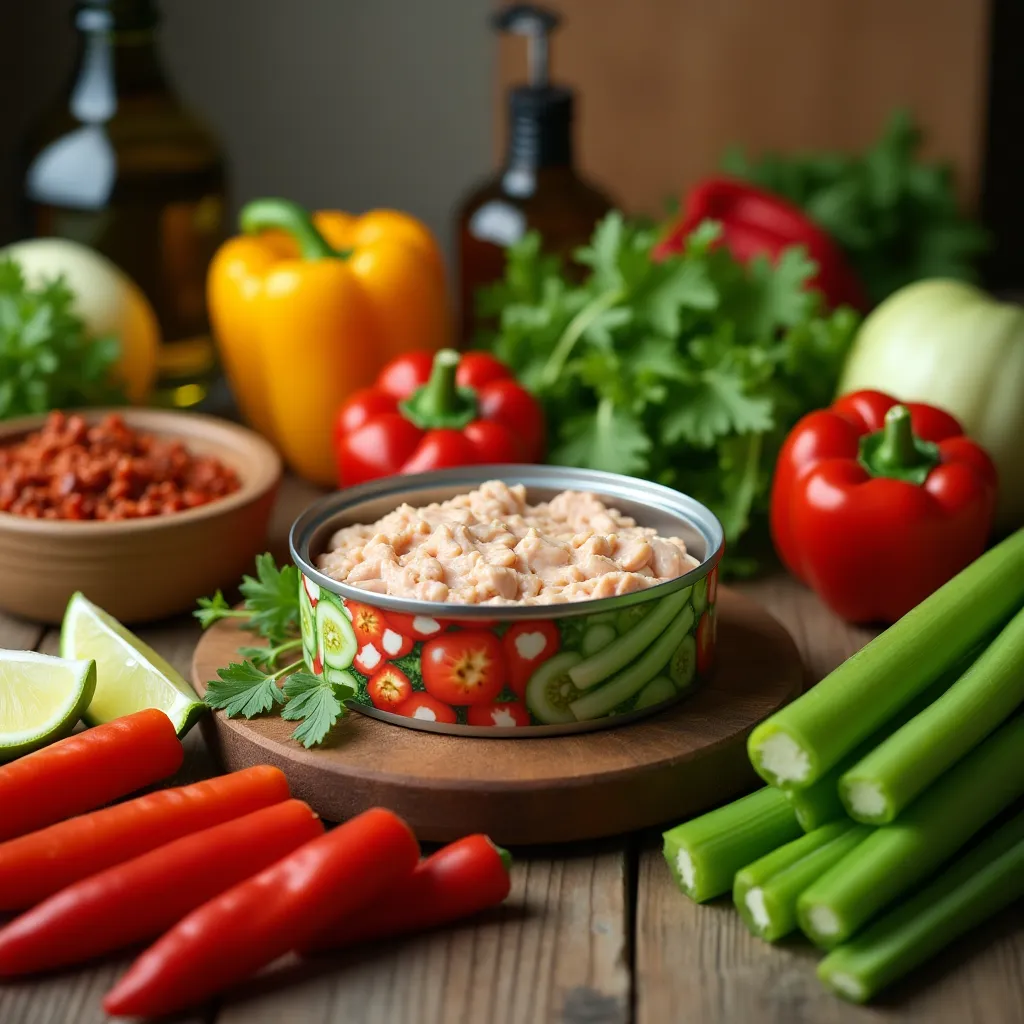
(550, 689)
(307, 625)
(337, 641)
(631, 616)
(683, 663)
(657, 691)
(343, 680)
(597, 637)
(699, 599)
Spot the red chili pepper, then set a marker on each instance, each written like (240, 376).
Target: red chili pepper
(140, 899)
(755, 222)
(461, 879)
(39, 864)
(877, 504)
(86, 771)
(279, 910)
(435, 411)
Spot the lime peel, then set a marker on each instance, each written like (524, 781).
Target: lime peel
(42, 697)
(131, 676)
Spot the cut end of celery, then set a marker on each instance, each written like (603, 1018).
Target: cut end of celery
(754, 901)
(686, 870)
(823, 922)
(780, 759)
(845, 985)
(865, 801)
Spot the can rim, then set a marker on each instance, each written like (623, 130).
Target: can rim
(606, 485)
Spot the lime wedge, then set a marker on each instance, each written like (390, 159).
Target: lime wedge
(41, 699)
(130, 675)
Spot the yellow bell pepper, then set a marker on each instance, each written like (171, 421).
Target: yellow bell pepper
(306, 310)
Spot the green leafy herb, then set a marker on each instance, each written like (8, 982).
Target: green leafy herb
(253, 686)
(271, 604)
(317, 703)
(244, 690)
(213, 609)
(895, 215)
(689, 371)
(47, 361)
(272, 598)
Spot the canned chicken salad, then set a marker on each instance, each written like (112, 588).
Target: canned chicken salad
(509, 600)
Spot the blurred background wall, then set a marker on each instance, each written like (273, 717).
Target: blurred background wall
(357, 103)
(347, 103)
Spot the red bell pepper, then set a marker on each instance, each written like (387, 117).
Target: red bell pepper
(876, 504)
(430, 411)
(757, 222)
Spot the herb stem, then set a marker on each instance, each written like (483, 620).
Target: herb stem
(285, 670)
(275, 652)
(574, 331)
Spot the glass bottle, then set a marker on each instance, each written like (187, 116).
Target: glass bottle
(538, 187)
(123, 167)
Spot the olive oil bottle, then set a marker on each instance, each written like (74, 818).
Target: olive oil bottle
(120, 165)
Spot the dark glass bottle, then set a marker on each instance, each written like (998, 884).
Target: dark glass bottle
(538, 187)
(123, 167)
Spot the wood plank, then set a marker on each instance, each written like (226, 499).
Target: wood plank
(699, 964)
(556, 951)
(17, 634)
(666, 86)
(704, 960)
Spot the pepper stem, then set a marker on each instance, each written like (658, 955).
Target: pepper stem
(283, 215)
(441, 403)
(896, 452)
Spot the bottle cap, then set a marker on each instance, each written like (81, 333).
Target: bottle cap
(540, 114)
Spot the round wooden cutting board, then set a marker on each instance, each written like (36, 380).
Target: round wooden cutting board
(543, 790)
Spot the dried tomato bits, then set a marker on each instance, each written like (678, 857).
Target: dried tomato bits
(70, 470)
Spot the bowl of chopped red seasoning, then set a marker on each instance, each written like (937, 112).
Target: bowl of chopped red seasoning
(142, 510)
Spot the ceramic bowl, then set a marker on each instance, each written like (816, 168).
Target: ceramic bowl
(143, 569)
(637, 653)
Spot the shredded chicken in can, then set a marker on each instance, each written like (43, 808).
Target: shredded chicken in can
(490, 547)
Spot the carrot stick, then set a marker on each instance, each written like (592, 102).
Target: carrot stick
(277, 911)
(140, 899)
(461, 879)
(35, 866)
(86, 771)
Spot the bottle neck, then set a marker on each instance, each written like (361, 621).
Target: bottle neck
(534, 144)
(117, 56)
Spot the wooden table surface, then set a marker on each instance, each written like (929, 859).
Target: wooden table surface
(591, 934)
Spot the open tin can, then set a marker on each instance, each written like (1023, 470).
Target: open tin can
(555, 668)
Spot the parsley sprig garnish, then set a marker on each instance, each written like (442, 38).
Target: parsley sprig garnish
(47, 359)
(271, 676)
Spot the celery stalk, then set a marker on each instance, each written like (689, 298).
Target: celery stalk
(798, 744)
(817, 804)
(765, 892)
(705, 853)
(895, 857)
(879, 786)
(982, 882)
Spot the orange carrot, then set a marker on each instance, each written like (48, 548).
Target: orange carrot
(138, 900)
(86, 771)
(35, 866)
